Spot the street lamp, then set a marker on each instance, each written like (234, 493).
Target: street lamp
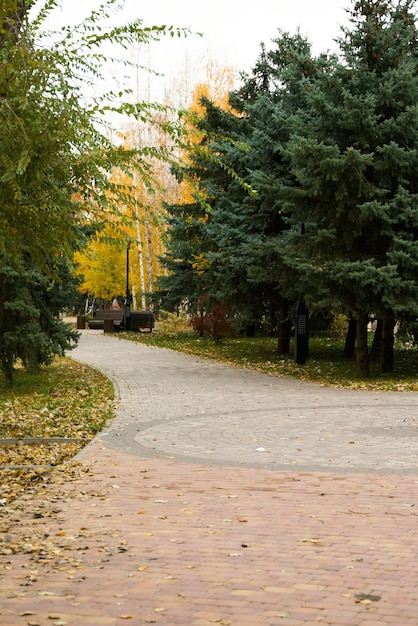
(301, 326)
(127, 314)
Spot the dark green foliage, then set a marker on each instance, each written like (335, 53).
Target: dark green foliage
(330, 147)
(355, 162)
(221, 248)
(30, 326)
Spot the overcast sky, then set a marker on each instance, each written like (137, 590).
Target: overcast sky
(232, 29)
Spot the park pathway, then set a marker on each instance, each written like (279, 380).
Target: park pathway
(222, 496)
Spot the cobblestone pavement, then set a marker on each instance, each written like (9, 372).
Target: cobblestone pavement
(222, 496)
(191, 409)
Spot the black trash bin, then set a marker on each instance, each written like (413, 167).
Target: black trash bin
(108, 326)
(81, 322)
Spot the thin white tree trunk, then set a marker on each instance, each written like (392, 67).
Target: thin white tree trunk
(133, 294)
(140, 249)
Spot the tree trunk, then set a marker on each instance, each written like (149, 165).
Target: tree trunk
(377, 345)
(387, 343)
(362, 348)
(350, 338)
(285, 328)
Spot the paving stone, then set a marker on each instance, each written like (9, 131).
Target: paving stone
(214, 532)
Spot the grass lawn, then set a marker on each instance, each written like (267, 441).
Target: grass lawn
(325, 364)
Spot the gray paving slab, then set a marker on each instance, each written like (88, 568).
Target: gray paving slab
(175, 406)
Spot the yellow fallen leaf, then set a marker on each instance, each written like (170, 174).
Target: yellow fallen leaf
(125, 616)
(142, 568)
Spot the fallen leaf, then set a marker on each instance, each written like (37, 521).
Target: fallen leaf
(46, 593)
(367, 598)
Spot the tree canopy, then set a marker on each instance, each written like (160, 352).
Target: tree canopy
(331, 151)
(56, 154)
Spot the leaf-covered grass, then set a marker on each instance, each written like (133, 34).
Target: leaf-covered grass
(66, 400)
(325, 365)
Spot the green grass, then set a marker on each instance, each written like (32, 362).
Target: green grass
(325, 365)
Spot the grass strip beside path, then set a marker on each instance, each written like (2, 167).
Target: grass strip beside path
(49, 418)
(325, 365)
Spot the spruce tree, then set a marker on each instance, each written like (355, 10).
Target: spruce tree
(355, 162)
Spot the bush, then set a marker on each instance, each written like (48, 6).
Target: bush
(215, 323)
(170, 324)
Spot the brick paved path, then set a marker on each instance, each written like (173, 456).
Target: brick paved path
(221, 496)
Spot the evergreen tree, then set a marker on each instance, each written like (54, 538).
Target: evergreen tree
(241, 149)
(355, 162)
(30, 326)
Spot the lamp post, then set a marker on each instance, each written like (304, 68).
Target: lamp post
(301, 326)
(127, 315)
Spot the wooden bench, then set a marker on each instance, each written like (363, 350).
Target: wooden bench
(113, 320)
(110, 315)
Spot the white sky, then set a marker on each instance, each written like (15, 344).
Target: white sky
(233, 29)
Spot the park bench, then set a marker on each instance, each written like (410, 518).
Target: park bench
(108, 319)
(113, 319)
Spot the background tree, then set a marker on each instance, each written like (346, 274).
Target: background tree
(56, 155)
(331, 150)
(240, 147)
(185, 262)
(355, 162)
(101, 265)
